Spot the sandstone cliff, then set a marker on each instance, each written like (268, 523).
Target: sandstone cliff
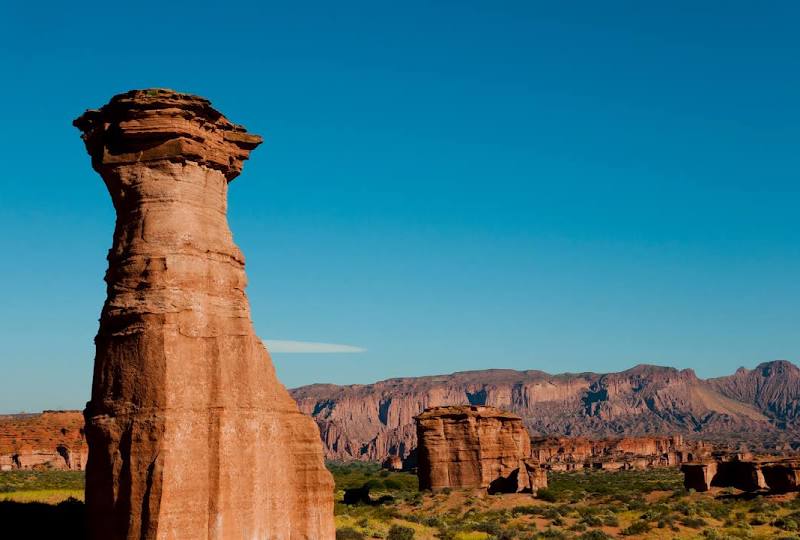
(376, 420)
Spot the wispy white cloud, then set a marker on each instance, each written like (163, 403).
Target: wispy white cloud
(283, 346)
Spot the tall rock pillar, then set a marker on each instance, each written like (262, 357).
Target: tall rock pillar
(191, 435)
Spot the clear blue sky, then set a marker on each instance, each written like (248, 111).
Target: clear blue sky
(563, 186)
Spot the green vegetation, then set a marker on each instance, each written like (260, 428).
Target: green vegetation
(584, 505)
(14, 481)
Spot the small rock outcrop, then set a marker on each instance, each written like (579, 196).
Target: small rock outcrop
(571, 453)
(776, 475)
(475, 447)
(190, 433)
(392, 463)
(48, 440)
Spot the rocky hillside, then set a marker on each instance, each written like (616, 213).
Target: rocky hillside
(51, 440)
(759, 407)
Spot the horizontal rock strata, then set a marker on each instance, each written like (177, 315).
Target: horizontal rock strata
(475, 447)
(191, 434)
(49, 440)
(570, 453)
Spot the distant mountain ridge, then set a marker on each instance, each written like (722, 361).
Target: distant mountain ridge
(758, 407)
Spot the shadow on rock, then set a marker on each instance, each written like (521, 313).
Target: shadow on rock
(65, 521)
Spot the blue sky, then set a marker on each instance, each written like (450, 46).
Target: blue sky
(448, 185)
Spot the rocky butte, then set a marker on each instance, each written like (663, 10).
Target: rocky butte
(475, 447)
(190, 434)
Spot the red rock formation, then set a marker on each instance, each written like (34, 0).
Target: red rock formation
(50, 440)
(780, 475)
(698, 476)
(773, 387)
(474, 447)
(191, 435)
(392, 463)
(568, 453)
(376, 420)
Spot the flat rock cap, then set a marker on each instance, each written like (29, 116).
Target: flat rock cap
(160, 124)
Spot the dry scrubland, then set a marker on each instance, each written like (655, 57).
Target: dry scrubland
(579, 505)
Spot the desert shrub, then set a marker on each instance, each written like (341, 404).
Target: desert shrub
(550, 513)
(552, 533)
(591, 520)
(787, 523)
(391, 483)
(639, 527)
(547, 494)
(349, 533)
(693, 522)
(594, 535)
(490, 526)
(398, 532)
(611, 520)
(526, 511)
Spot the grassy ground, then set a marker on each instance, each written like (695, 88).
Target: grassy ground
(41, 486)
(590, 505)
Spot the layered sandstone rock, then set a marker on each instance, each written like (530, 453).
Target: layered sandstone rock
(49, 440)
(698, 476)
(569, 453)
(191, 435)
(779, 475)
(474, 447)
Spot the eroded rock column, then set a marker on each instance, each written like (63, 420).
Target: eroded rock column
(191, 435)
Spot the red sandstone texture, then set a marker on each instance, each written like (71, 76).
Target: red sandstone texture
(756, 407)
(569, 453)
(475, 447)
(191, 435)
(49, 440)
(744, 473)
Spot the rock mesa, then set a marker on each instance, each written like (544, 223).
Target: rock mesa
(190, 433)
(475, 447)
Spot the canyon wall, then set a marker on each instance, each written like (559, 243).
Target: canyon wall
(191, 435)
(752, 407)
